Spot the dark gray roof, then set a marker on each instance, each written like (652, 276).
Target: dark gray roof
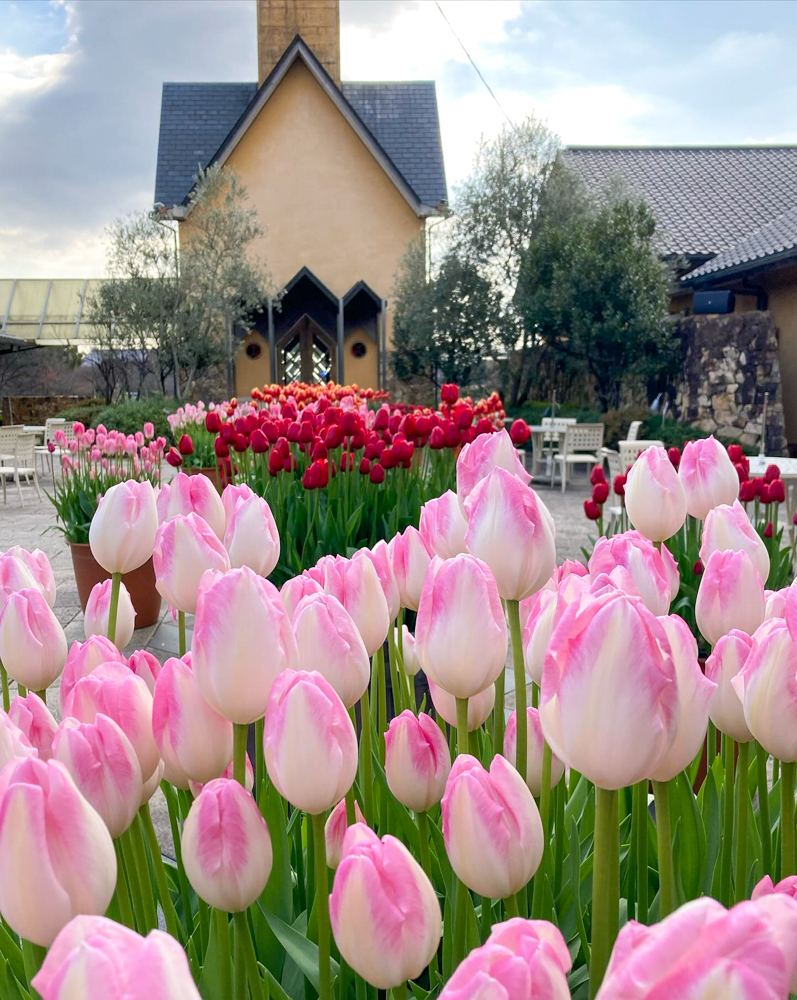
(776, 240)
(705, 199)
(196, 118)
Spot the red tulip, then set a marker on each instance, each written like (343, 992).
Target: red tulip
(449, 393)
(240, 442)
(365, 467)
(600, 492)
(221, 449)
(485, 426)
(259, 442)
(437, 439)
(741, 472)
(619, 485)
(275, 461)
(777, 491)
(377, 473)
(212, 422)
(306, 432)
(519, 432)
(773, 472)
(292, 433)
(319, 451)
(735, 452)
(350, 422)
(597, 476)
(185, 446)
(674, 455)
(463, 415)
(768, 530)
(592, 510)
(381, 419)
(333, 438)
(698, 568)
(452, 435)
(763, 492)
(227, 433)
(747, 490)
(173, 458)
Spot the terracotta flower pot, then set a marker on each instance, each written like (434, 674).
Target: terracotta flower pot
(140, 584)
(209, 473)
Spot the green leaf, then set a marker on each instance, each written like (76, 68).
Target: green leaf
(693, 838)
(575, 886)
(303, 952)
(275, 897)
(710, 809)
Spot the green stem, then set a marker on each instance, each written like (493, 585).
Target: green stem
(423, 840)
(221, 931)
(240, 991)
(460, 924)
(462, 725)
(741, 823)
(763, 809)
(240, 733)
(260, 763)
(367, 787)
(351, 815)
(513, 612)
(602, 895)
(727, 830)
(21, 690)
(788, 866)
(661, 794)
(142, 874)
(33, 955)
(244, 937)
(381, 714)
(559, 833)
(640, 807)
(396, 675)
(322, 909)
(498, 714)
(6, 695)
(511, 907)
(181, 631)
(545, 808)
(169, 912)
(132, 880)
(711, 745)
(185, 896)
(116, 579)
(122, 892)
(399, 992)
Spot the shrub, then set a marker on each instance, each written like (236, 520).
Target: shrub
(617, 423)
(84, 412)
(131, 415)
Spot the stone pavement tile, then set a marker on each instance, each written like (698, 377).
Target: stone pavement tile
(167, 637)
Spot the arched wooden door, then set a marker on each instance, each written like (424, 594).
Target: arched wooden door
(306, 353)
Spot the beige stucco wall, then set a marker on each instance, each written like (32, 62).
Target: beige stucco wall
(252, 372)
(782, 294)
(362, 371)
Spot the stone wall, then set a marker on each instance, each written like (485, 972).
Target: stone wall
(729, 363)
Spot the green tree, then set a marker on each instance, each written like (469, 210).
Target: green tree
(595, 290)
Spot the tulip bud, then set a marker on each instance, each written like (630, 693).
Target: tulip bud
(36, 722)
(635, 566)
(460, 634)
(185, 548)
(481, 456)
(104, 766)
(252, 538)
(608, 715)
(57, 858)
(534, 751)
(328, 640)
(521, 958)
(410, 661)
(32, 643)
(356, 585)
(411, 557)
(297, 588)
(98, 611)
(380, 556)
(511, 530)
(114, 690)
(384, 911)
(195, 742)
(146, 666)
(122, 532)
(654, 496)
(479, 705)
(786, 886)
(91, 953)
(491, 826)
(335, 831)
(417, 761)
(15, 575)
(40, 569)
(708, 477)
(767, 688)
(152, 784)
(14, 743)
(232, 496)
(82, 659)
(309, 742)
(728, 529)
(242, 641)
(731, 595)
(725, 709)
(193, 495)
(226, 846)
(443, 526)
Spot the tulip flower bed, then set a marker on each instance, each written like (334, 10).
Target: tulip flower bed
(570, 850)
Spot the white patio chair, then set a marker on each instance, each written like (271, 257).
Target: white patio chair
(631, 450)
(556, 426)
(633, 430)
(580, 444)
(51, 425)
(8, 437)
(24, 466)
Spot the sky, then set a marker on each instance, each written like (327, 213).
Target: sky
(80, 84)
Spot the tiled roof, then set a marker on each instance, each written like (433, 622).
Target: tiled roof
(705, 199)
(776, 239)
(196, 118)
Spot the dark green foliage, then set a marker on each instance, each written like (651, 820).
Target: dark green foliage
(131, 415)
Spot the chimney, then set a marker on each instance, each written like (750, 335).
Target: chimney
(317, 21)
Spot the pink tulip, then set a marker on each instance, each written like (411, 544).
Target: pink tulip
(356, 585)
(226, 846)
(56, 856)
(193, 495)
(410, 557)
(728, 528)
(98, 958)
(98, 610)
(545, 611)
(232, 496)
(122, 532)
(654, 496)
(194, 741)
(703, 951)
(146, 666)
(36, 721)
(328, 641)
(82, 659)
(32, 643)
(787, 886)
(14, 742)
(443, 526)
(511, 530)
(775, 603)
(410, 661)
(725, 709)
(335, 831)
(534, 752)
(417, 760)
(297, 588)
(40, 569)
(520, 958)
(731, 596)
(481, 456)
(15, 575)
(185, 548)
(251, 536)
(480, 705)
(384, 911)
(635, 566)
(152, 784)
(114, 690)
(309, 742)
(708, 476)
(609, 715)
(491, 826)
(242, 641)
(104, 767)
(694, 691)
(380, 556)
(196, 787)
(460, 634)
(767, 688)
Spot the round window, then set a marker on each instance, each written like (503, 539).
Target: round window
(253, 351)
(358, 349)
